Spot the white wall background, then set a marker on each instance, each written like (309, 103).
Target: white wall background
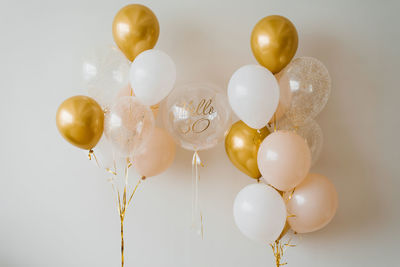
(57, 209)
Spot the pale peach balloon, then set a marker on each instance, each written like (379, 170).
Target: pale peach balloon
(312, 205)
(127, 91)
(284, 159)
(285, 99)
(156, 155)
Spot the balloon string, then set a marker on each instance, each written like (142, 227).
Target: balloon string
(123, 202)
(92, 155)
(279, 247)
(197, 216)
(274, 122)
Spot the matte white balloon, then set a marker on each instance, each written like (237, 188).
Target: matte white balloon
(260, 213)
(253, 94)
(105, 72)
(152, 76)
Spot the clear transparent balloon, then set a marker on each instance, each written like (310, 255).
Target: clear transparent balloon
(105, 72)
(103, 154)
(311, 132)
(310, 84)
(128, 125)
(197, 115)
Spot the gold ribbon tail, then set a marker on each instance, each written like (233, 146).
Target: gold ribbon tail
(92, 155)
(197, 216)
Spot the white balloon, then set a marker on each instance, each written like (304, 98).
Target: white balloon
(105, 72)
(253, 94)
(260, 212)
(152, 76)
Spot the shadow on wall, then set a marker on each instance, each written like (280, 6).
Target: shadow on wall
(348, 157)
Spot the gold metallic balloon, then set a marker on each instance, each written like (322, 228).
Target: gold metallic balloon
(241, 145)
(274, 42)
(135, 29)
(80, 121)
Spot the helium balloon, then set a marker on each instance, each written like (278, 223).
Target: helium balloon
(311, 132)
(310, 86)
(274, 42)
(80, 121)
(241, 145)
(128, 125)
(284, 159)
(157, 154)
(152, 76)
(313, 204)
(105, 72)
(135, 29)
(253, 94)
(260, 213)
(197, 115)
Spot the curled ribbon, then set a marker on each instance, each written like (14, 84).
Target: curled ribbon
(197, 217)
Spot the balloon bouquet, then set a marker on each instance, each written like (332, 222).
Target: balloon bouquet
(287, 94)
(116, 124)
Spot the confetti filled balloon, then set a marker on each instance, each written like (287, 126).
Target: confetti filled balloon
(197, 115)
(128, 125)
(312, 204)
(310, 86)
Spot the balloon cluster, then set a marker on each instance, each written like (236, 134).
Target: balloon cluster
(288, 94)
(127, 82)
(125, 97)
(117, 122)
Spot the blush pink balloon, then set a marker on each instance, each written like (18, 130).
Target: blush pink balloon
(156, 155)
(312, 204)
(284, 159)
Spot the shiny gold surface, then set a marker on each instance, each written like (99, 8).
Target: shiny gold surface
(241, 145)
(274, 42)
(80, 121)
(135, 29)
